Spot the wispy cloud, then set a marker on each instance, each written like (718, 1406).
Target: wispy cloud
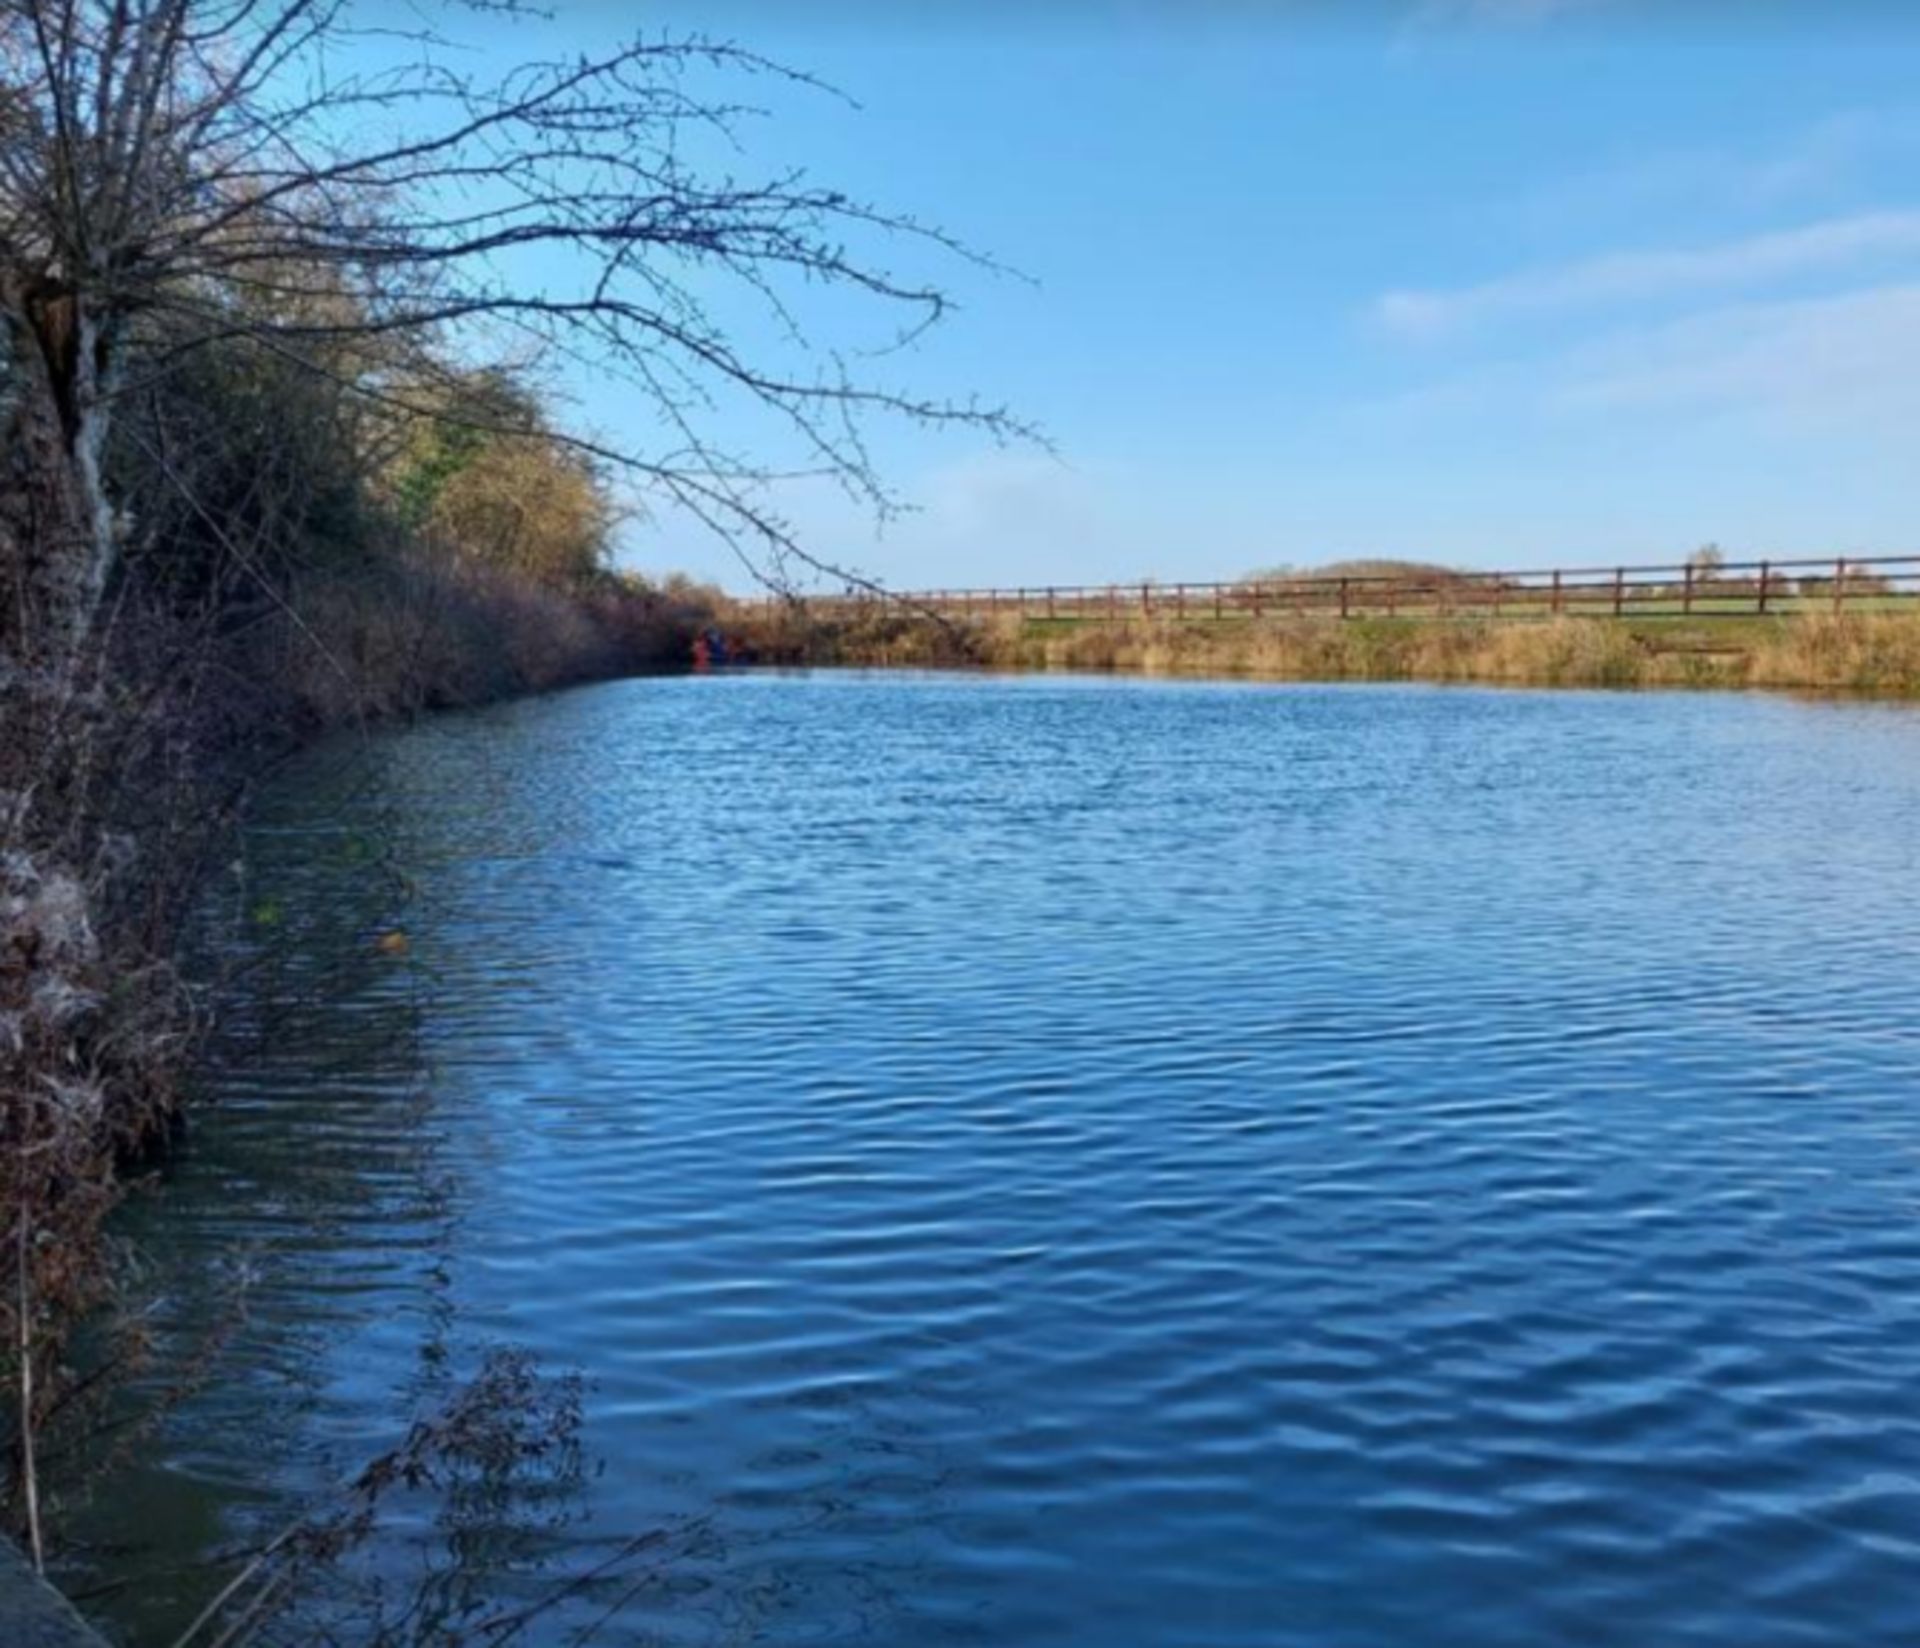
(1852, 357)
(1849, 361)
(1627, 277)
(1829, 152)
(1518, 11)
(1427, 21)
(1496, 12)
(1828, 160)
(988, 517)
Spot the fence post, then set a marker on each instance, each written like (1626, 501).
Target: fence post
(1256, 597)
(1049, 600)
(1766, 570)
(1344, 603)
(1619, 590)
(1179, 600)
(1554, 605)
(1839, 584)
(1686, 593)
(1146, 599)
(1219, 599)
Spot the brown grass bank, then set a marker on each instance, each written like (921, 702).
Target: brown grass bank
(1863, 652)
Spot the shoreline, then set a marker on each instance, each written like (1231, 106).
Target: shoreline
(1243, 678)
(1858, 655)
(144, 1099)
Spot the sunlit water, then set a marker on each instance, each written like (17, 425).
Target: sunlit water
(1053, 1162)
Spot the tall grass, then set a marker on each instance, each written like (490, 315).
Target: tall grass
(1860, 652)
(1854, 652)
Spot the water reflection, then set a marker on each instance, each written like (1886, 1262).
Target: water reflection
(1069, 1163)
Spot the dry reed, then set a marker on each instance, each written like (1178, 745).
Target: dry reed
(1863, 652)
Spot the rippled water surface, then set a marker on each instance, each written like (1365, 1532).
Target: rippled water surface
(1050, 1162)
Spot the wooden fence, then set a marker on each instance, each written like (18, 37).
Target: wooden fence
(1742, 589)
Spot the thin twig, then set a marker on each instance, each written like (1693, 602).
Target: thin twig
(30, 1479)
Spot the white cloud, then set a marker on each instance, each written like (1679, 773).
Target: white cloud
(1848, 363)
(1850, 358)
(1622, 277)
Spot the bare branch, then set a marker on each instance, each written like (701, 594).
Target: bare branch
(178, 176)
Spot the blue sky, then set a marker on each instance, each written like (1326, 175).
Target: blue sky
(1498, 282)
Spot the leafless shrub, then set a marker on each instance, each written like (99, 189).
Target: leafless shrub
(499, 1461)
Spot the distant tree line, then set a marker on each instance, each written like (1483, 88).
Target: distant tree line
(1709, 566)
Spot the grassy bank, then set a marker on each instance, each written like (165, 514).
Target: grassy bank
(1857, 652)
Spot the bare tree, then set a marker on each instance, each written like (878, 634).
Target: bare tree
(1707, 561)
(181, 175)
(203, 203)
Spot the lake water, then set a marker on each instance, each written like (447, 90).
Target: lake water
(1059, 1163)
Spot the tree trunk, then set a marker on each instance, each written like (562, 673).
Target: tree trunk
(57, 530)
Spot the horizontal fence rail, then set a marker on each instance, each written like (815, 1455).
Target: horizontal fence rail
(1735, 589)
